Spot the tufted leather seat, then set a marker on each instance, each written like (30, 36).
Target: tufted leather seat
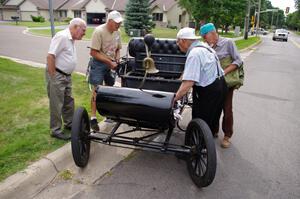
(169, 60)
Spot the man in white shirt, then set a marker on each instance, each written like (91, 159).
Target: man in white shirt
(61, 62)
(203, 73)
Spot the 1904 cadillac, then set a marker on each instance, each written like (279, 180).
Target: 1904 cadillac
(145, 102)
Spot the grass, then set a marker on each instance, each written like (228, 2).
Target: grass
(31, 24)
(228, 34)
(157, 32)
(24, 122)
(242, 43)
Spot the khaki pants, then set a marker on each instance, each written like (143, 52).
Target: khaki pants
(61, 102)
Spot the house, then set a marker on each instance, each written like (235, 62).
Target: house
(10, 9)
(166, 13)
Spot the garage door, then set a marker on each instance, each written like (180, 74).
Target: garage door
(95, 18)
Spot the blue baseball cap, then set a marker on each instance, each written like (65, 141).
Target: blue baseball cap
(206, 28)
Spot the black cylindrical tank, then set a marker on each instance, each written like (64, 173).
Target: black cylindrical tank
(145, 108)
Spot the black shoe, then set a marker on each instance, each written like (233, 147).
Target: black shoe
(94, 125)
(61, 136)
(69, 128)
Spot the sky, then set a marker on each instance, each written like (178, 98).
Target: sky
(282, 4)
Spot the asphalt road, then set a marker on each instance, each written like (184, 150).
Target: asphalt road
(35, 48)
(263, 161)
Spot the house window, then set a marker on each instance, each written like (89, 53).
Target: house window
(63, 13)
(179, 19)
(77, 13)
(157, 16)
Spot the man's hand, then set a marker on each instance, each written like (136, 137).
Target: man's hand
(113, 65)
(51, 64)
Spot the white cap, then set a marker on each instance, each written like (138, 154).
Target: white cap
(187, 33)
(115, 15)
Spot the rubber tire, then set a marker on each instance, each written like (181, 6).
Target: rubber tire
(204, 132)
(79, 137)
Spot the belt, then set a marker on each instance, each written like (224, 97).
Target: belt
(62, 72)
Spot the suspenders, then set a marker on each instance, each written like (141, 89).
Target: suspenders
(216, 57)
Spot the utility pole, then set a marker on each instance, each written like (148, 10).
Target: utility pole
(51, 17)
(258, 14)
(277, 20)
(246, 24)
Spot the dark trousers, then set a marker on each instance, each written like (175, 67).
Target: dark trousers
(227, 122)
(208, 102)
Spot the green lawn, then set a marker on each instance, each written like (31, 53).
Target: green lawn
(157, 32)
(31, 24)
(242, 43)
(24, 122)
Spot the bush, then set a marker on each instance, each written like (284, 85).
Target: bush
(68, 19)
(172, 27)
(37, 19)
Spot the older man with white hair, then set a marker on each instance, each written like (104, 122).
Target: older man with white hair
(203, 73)
(61, 62)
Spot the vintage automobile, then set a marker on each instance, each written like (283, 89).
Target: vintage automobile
(145, 101)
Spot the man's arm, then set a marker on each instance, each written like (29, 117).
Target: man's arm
(117, 57)
(51, 64)
(235, 55)
(103, 58)
(230, 68)
(185, 86)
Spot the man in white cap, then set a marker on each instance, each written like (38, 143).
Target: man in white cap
(105, 52)
(203, 73)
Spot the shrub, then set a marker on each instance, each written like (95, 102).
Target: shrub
(37, 19)
(68, 19)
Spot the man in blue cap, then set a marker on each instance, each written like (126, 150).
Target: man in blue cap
(230, 60)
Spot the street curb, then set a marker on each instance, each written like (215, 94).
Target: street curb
(40, 174)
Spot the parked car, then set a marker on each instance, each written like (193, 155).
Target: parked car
(281, 34)
(260, 31)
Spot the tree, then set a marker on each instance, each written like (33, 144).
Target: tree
(137, 16)
(220, 12)
(293, 21)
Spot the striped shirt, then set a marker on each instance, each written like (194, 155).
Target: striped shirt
(201, 65)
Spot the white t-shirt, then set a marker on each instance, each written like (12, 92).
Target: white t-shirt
(63, 48)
